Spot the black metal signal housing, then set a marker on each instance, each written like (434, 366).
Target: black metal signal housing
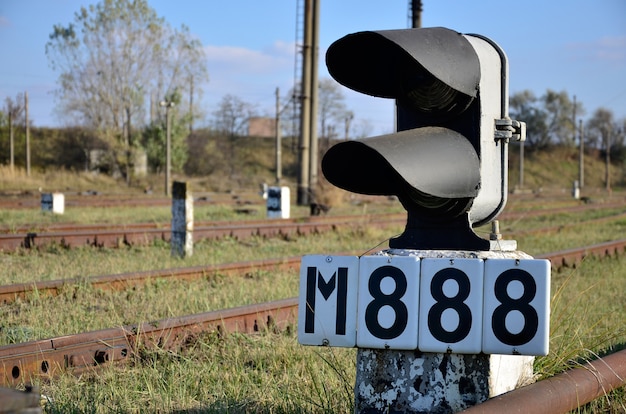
(447, 164)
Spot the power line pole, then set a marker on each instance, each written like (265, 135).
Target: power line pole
(191, 114)
(305, 107)
(607, 160)
(521, 165)
(314, 146)
(27, 134)
(168, 144)
(416, 13)
(11, 139)
(279, 172)
(581, 155)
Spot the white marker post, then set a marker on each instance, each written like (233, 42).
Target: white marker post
(54, 202)
(278, 202)
(182, 220)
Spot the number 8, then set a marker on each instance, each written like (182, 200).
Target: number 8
(381, 299)
(509, 304)
(450, 302)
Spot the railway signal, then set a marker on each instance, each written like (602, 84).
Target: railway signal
(440, 290)
(447, 164)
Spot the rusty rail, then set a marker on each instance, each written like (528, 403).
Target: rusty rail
(572, 257)
(8, 293)
(23, 362)
(143, 234)
(563, 392)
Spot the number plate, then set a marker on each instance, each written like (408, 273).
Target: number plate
(451, 301)
(388, 302)
(460, 305)
(327, 303)
(517, 307)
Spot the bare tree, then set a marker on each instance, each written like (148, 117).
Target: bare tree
(113, 59)
(231, 119)
(332, 110)
(603, 131)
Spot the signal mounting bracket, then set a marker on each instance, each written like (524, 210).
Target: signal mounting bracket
(507, 129)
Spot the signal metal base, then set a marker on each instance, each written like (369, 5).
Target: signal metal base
(424, 234)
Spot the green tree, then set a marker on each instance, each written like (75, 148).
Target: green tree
(114, 60)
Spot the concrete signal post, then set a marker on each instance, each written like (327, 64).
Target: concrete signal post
(443, 319)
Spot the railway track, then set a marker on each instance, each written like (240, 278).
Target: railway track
(139, 234)
(22, 363)
(111, 236)
(9, 293)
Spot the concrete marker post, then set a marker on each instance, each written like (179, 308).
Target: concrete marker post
(394, 381)
(182, 220)
(53, 202)
(278, 202)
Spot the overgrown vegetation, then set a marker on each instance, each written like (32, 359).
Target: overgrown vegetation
(271, 373)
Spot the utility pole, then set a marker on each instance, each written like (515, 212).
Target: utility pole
(581, 155)
(191, 115)
(11, 139)
(27, 134)
(521, 165)
(607, 160)
(168, 145)
(279, 172)
(416, 13)
(349, 118)
(314, 146)
(305, 107)
(574, 138)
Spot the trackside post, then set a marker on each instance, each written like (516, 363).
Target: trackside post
(182, 220)
(444, 319)
(53, 202)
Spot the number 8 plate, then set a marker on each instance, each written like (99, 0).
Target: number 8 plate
(516, 313)
(460, 305)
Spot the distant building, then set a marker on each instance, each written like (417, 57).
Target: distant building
(259, 126)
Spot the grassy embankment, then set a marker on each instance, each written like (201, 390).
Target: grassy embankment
(271, 372)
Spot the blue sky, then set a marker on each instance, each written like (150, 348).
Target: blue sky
(577, 46)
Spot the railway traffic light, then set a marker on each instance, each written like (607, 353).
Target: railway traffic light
(447, 164)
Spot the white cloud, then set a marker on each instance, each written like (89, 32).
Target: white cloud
(609, 49)
(240, 60)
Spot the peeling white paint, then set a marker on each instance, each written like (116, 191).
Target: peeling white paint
(416, 382)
